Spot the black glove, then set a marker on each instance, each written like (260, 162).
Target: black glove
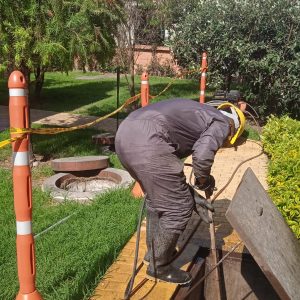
(206, 184)
(202, 206)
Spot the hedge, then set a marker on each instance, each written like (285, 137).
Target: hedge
(281, 140)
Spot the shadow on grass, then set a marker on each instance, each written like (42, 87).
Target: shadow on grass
(71, 97)
(74, 143)
(183, 89)
(92, 275)
(250, 133)
(66, 93)
(180, 89)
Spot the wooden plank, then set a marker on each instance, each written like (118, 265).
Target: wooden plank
(196, 272)
(266, 235)
(241, 278)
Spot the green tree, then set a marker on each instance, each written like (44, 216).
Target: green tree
(143, 23)
(37, 36)
(254, 43)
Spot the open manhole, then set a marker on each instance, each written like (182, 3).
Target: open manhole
(83, 184)
(66, 186)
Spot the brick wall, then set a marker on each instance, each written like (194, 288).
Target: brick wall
(144, 54)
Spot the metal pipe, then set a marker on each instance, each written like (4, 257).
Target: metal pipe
(118, 94)
(214, 253)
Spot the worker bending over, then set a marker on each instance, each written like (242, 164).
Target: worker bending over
(150, 143)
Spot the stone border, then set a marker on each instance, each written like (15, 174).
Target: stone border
(103, 139)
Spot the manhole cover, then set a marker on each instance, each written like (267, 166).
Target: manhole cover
(84, 163)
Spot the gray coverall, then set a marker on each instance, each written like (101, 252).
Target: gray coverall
(150, 143)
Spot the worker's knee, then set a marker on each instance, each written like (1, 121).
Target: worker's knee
(176, 221)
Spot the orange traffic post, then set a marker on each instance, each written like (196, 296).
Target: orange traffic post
(145, 90)
(203, 77)
(19, 118)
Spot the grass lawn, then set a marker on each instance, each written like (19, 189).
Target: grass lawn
(72, 257)
(67, 93)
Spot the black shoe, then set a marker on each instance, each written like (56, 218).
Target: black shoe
(169, 274)
(164, 243)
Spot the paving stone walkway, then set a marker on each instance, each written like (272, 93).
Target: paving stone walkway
(59, 119)
(113, 285)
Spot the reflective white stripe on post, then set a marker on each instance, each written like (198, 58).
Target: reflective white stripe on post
(203, 74)
(18, 92)
(23, 228)
(21, 158)
(144, 82)
(201, 92)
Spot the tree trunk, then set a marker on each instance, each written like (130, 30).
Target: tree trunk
(26, 72)
(132, 83)
(39, 81)
(82, 66)
(227, 83)
(131, 66)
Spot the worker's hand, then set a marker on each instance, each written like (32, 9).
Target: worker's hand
(206, 184)
(203, 207)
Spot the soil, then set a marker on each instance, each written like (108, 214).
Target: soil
(35, 164)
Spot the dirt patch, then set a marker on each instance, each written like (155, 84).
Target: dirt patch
(96, 77)
(5, 164)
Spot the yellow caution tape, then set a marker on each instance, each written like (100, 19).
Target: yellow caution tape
(23, 131)
(9, 141)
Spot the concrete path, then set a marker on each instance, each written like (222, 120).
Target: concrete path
(59, 119)
(113, 285)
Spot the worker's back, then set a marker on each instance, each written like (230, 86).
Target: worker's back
(177, 122)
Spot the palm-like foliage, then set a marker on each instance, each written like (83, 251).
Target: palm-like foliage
(37, 36)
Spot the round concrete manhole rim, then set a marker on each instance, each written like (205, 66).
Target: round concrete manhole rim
(53, 183)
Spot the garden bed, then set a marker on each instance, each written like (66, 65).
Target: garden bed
(281, 140)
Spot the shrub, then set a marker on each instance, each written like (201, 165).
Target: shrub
(281, 140)
(156, 68)
(252, 43)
